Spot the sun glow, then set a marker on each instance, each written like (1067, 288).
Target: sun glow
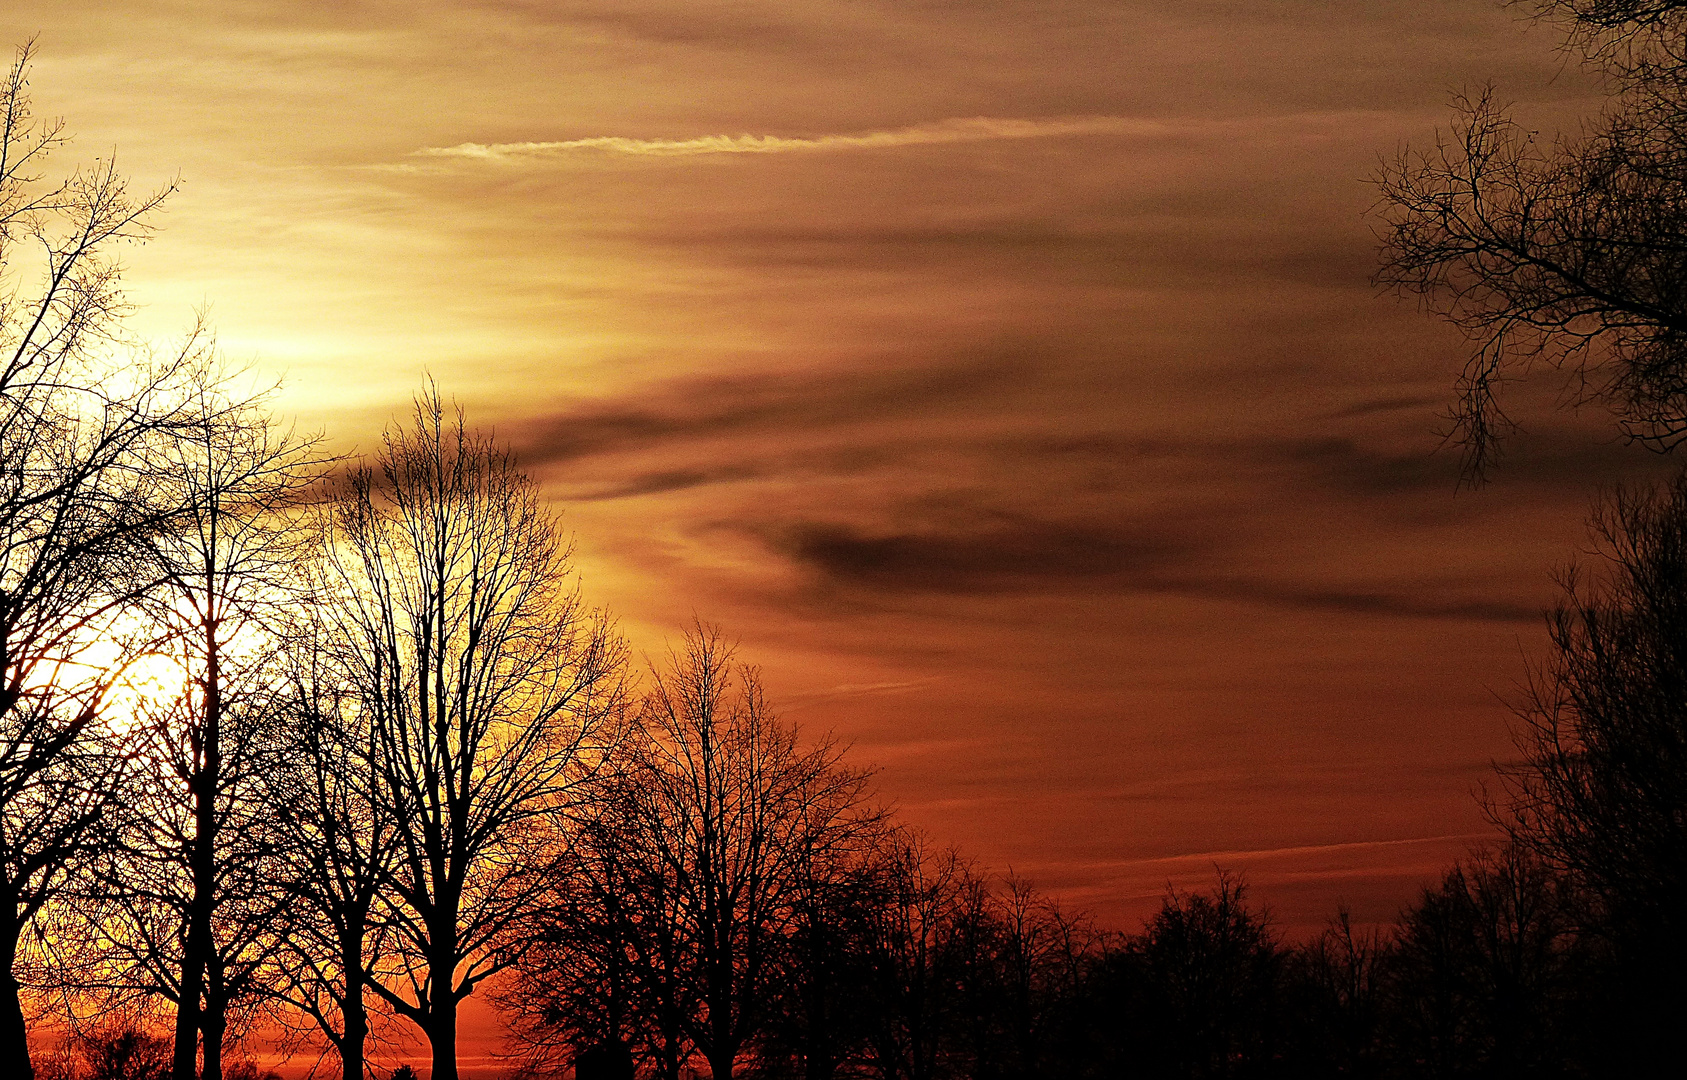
(134, 671)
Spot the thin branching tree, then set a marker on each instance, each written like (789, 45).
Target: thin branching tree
(87, 420)
(194, 878)
(1571, 253)
(487, 681)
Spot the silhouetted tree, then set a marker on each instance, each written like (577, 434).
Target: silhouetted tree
(485, 680)
(85, 416)
(194, 884)
(1475, 976)
(1337, 1001)
(334, 839)
(1601, 791)
(1573, 254)
(912, 986)
(113, 1052)
(1210, 968)
(707, 842)
(576, 990)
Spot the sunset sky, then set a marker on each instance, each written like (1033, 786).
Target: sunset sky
(1005, 374)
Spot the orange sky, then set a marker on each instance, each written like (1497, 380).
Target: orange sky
(1004, 373)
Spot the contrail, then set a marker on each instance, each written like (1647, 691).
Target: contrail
(960, 130)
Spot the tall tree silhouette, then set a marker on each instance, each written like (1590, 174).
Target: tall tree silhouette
(721, 808)
(86, 416)
(194, 879)
(1601, 791)
(485, 679)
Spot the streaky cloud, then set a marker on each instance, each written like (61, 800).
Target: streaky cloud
(957, 130)
(1244, 855)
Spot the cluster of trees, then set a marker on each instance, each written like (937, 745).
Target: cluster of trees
(922, 968)
(274, 745)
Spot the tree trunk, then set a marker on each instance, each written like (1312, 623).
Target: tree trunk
(213, 1022)
(197, 952)
(720, 1064)
(817, 1051)
(670, 1048)
(442, 1021)
(356, 1031)
(14, 1034)
(185, 1063)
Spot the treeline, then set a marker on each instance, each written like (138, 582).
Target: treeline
(912, 965)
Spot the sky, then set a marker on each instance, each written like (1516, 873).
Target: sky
(1005, 376)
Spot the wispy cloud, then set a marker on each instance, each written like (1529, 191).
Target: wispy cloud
(958, 130)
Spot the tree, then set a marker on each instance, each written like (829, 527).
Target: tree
(817, 1016)
(1600, 792)
(1339, 1003)
(703, 850)
(1573, 254)
(575, 991)
(1211, 968)
(85, 417)
(114, 1051)
(485, 680)
(195, 879)
(1476, 969)
(910, 983)
(333, 845)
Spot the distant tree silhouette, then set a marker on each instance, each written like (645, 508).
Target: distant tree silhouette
(485, 680)
(111, 1052)
(575, 988)
(908, 956)
(1571, 253)
(1210, 968)
(701, 857)
(1476, 976)
(1338, 981)
(727, 808)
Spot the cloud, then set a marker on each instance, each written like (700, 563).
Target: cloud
(662, 482)
(1029, 556)
(683, 410)
(941, 132)
(1003, 557)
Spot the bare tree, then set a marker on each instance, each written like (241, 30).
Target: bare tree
(1476, 967)
(333, 845)
(1600, 792)
(575, 991)
(485, 679)
(1211, 967)
(194, 879)
(722, 808)
(1573, 254)
(920, 889)
(85, 415)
